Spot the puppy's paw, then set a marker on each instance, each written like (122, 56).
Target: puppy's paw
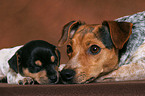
(26, 81)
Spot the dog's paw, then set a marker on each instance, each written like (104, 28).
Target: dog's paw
(26, 81)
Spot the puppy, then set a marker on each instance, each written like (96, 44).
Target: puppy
(110, 50)
(35, 61)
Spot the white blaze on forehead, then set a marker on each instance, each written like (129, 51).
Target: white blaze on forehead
(74, 62)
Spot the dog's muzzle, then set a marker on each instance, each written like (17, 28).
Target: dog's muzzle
(67, 75)
(54, 78)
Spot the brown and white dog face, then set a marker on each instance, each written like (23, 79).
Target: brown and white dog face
(93, 49)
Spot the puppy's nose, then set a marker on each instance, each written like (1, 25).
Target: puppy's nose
(53, 79)
(67, 75)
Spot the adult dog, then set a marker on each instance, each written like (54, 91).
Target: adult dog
(113, 50)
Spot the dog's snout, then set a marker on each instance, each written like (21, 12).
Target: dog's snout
(53, 78)
(67, 75)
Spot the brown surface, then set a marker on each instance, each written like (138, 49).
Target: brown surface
(25, 20)
(134, 88)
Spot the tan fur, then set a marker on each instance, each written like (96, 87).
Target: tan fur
(52, 58)
(40, 77)
(38, 62)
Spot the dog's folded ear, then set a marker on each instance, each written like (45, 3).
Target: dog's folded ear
(68, 32)
(119, 32)
(14, 62)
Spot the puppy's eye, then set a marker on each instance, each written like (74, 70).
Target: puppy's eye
(69, 49)
(94, 49)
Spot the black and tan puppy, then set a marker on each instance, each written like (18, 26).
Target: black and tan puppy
(35, 61)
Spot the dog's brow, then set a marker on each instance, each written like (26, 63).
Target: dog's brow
(94, 41)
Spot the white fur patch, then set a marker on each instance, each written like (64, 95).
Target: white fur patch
(61, 67)
(5, 55)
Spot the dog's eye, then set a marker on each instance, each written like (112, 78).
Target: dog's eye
(94, 49)
(69, 49)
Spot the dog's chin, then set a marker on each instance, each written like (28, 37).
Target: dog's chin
(66, 82)
(43, 82)
(90, 80)
(86, 81)
(47, 80)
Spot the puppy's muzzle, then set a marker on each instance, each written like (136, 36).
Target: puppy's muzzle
(54, 78)
(67, 75)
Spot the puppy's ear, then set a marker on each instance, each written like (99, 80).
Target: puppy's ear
(68, 32)
(119, 31)
(14, 62)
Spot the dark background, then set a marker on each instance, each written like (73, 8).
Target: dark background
(25, 20)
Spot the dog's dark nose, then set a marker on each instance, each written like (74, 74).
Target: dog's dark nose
(53, 79)
(67, 75)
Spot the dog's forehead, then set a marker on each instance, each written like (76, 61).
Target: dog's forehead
(89, 28)
(87, 34)
(40, 51)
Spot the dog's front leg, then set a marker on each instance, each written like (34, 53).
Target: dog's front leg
(16, 78)
(134, 71)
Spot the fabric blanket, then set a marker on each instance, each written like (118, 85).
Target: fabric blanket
(131, 88)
